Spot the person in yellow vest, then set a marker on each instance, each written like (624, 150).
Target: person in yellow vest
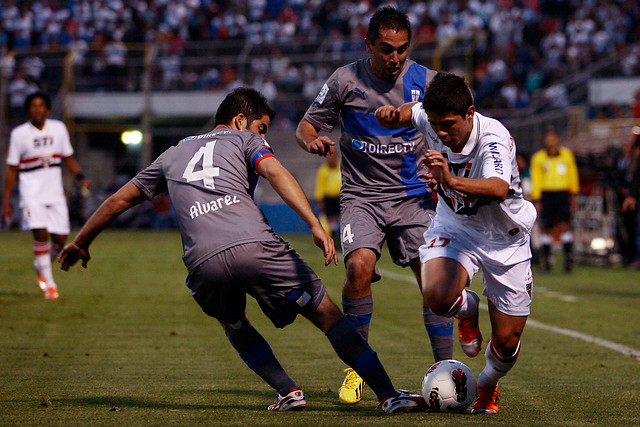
(328, 184)
(555, 186)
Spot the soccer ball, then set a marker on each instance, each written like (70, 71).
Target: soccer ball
(449, 386)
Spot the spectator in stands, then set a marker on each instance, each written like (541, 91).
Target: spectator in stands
(559, 40)
(555, 186)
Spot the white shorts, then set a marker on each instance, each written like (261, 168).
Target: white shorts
(508, 287)
(54, 217)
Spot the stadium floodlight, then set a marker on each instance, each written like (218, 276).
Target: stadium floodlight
(601, 245)
(131, 137)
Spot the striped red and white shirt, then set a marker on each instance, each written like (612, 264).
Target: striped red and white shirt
(38, 155)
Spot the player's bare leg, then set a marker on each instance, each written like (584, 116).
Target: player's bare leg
(42, 263)
(357, 303)
(439, 328)
(444, 281)
(57, 243)
(501, 355)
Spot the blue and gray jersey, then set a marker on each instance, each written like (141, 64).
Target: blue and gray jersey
(210, 179)
(377, 162)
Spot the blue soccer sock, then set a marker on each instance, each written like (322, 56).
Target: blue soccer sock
(351, 347)
(257, 354)
(440, 330)
(359, 311)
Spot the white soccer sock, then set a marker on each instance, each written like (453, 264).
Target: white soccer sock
(496, 366)
(43, 262)
(464, 306)
(546, 239)
(566, 237)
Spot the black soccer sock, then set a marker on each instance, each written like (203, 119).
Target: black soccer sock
(440, 330)
(257, 354)
(567, 248)
(546, 256)
(359, 311)
(351, 347)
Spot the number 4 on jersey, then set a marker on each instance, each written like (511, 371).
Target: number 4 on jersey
(347, 235)
(208, 172)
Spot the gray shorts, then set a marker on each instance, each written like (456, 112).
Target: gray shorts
(401, 223)
(270, 271)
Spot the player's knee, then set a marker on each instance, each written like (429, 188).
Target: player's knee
(234, 325)
(359, 272)
(505, 344)
(439, 302)
(325, 315)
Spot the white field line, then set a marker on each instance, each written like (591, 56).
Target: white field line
(554, 294)
(623, 349)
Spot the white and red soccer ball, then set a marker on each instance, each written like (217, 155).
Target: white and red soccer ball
(449, 386)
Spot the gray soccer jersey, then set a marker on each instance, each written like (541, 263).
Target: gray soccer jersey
(210, 179)
(377, 162)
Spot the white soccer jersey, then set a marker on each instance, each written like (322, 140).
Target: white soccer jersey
(490, 152)
(38, 155)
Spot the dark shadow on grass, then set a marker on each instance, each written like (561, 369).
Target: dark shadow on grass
(133, 402)
(316, 402)
(19, 294)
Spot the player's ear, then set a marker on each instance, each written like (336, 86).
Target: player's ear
(239, 122)
(470, 111)
(368, 45)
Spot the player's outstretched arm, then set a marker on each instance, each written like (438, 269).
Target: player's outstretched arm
(308, 139)
(9, 182)
(392, 117)
(290, 191)
(126, 197)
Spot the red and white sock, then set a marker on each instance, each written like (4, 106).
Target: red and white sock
(464, 306)
(43, 262)
(496, 366)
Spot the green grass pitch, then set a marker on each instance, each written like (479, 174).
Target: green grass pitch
(126, 345)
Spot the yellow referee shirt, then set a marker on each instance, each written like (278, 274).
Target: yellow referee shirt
(557, 173)
(328, 182)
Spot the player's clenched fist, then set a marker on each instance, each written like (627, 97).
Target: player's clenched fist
(388, 116)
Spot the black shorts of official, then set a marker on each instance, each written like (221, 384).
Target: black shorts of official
(270, 271)
(555, 208)
(332, 206)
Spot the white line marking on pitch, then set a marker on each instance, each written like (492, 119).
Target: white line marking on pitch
(623, 349)
(554, 294)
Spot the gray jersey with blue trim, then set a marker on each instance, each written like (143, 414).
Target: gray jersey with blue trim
(210, 179)
(378, 163)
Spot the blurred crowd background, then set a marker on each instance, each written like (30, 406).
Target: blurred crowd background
(530, 62)
(523, 50)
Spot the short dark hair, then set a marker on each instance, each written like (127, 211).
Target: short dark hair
(34, 95)
(447, 93)
(243, 100)
(387, 18)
